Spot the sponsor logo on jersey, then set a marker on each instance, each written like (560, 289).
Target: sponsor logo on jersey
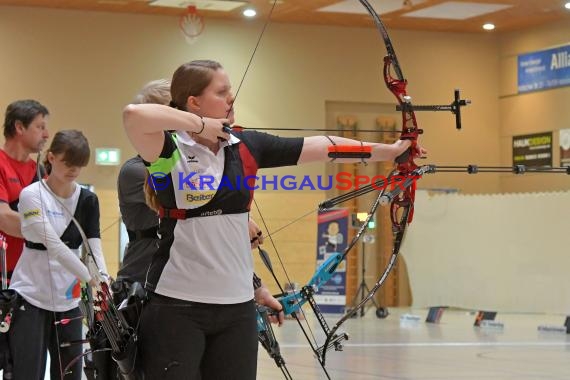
(55, 214)
(32, 213)
(197, 199)
(211, 213)
(191, 159)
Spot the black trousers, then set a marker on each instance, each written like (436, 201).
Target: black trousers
(33, 332)
(185, 340)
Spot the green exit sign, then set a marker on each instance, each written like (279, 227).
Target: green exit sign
(107, 156)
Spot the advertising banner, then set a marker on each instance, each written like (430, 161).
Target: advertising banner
(565, 147)
(332, 234)
(544, 69)
(533, 150)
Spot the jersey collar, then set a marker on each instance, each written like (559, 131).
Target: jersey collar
(186, 139)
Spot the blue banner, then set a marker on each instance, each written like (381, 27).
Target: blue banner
(544, 69)
(332, 234)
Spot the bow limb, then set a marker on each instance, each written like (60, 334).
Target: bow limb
(401, 200)
(266, 337)
(331, 335)
(86, 353)
(294, 301)
(403, 219)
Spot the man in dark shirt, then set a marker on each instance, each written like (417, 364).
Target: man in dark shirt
(141, 222)
(139, 219)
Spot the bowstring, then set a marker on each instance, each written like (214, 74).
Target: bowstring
(267, 20)
(44, 221)
(297, 297)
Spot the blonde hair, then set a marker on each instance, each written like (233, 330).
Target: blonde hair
(156, 92)
(150, 197)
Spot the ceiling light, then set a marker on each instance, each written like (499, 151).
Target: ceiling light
(249, 12)
(488, 26)
(567, 5)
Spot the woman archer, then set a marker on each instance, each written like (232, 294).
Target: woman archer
(49, 273)
(200, 278)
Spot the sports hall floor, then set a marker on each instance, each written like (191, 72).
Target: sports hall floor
(450, 350)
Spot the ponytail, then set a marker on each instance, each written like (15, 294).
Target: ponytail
(150, 196)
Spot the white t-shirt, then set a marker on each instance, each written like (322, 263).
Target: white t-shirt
(50, 278)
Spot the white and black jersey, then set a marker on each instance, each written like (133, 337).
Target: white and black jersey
(49, 271)
(206, 256)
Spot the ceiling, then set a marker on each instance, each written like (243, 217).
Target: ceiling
(433, 15)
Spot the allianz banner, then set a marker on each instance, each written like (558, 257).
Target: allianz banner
(544, 69)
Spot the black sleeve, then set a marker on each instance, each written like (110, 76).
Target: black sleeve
(273, 151)
(167, 149)
(90, 225)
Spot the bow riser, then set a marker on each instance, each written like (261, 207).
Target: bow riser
(410, 131)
